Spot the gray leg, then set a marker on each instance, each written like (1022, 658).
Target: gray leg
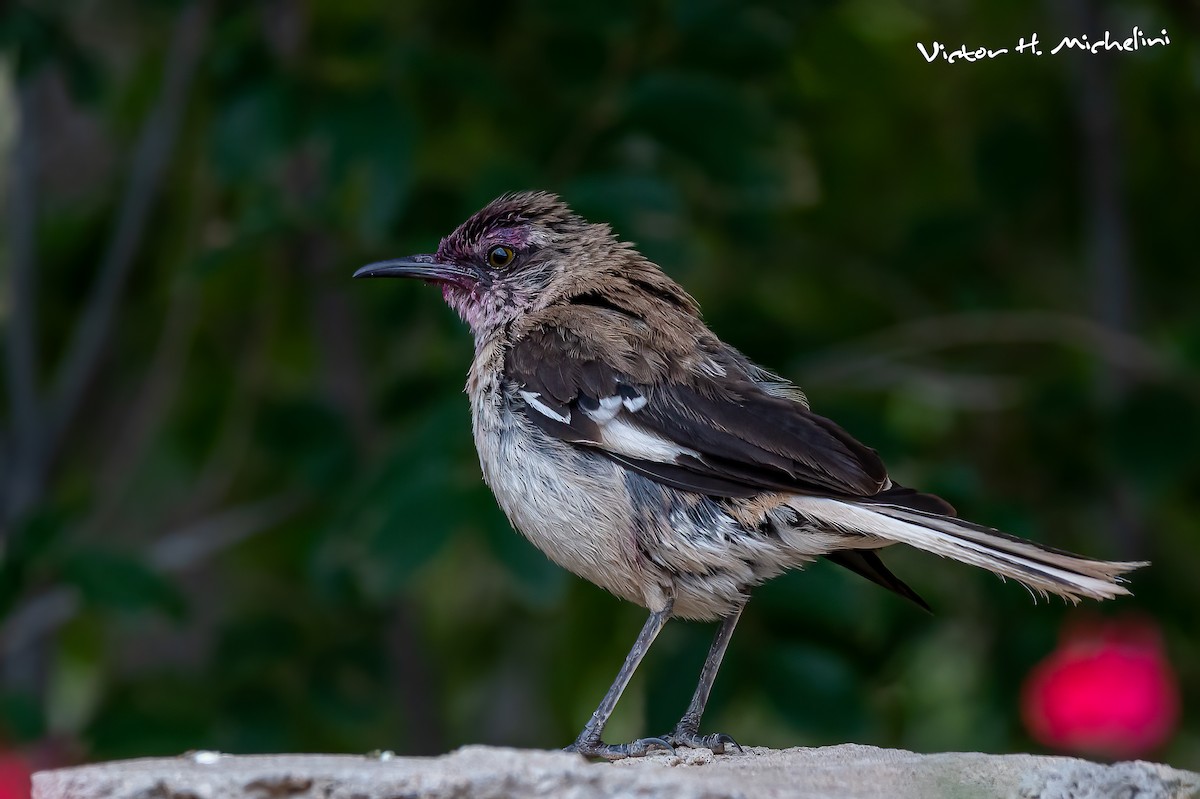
(687, 731)
(589, 743)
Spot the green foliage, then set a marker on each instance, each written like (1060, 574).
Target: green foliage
(112, 582)
(265, 519)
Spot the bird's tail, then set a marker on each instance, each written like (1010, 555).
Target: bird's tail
(1042, 569)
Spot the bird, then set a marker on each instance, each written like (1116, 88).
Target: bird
(642, 453)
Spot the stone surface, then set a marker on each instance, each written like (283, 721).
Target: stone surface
(479, 772)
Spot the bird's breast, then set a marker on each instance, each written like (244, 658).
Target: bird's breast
(570, 503)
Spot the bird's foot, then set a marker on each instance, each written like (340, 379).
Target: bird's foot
(594, 747)
(718, 742)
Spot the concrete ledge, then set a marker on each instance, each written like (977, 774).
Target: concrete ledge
(844, 772)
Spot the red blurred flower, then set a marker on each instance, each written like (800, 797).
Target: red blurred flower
(1108, 690)
(14, 777)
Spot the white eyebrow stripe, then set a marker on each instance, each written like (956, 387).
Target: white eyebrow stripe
(535, 402)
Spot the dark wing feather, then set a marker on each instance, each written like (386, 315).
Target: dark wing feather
(687, 479)
(866, 563)
(764, 439)
(913, 499)
(722, 435)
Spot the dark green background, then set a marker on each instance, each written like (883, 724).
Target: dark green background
(259, 525)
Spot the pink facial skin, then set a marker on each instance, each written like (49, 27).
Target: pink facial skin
(486, 303)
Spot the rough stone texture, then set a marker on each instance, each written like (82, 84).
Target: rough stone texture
(479, 772)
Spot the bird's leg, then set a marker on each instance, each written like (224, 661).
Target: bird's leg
(687, 731)
(588, 743)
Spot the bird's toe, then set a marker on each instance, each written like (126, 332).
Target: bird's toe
(718, 742)
(638, 748)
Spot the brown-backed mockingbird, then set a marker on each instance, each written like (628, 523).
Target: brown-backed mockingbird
(639, 451)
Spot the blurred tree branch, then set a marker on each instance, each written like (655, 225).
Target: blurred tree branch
(178, 551)
(25, 460)
(154, 146)
(40, 427)
(1106, 244)
(1105, 225)
(232, 441)
(146, 414)
(332, 322)
(937, 333)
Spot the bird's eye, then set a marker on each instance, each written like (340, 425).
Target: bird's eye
(500, 256)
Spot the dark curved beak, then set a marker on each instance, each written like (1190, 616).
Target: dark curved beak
(422, 267)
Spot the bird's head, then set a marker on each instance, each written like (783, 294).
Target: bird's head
(513, 256)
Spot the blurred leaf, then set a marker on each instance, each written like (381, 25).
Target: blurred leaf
(1155, 435)
(251, 646)
(539, 580)
(39, 38)
(27, 550)
(816, 689)
(673, 671)
(251, 131)
(700, 117)
(156, 715)
(641, 208)
(115, 581)
(21, 717)
(404, 513)
(370, 140)
(310, 439)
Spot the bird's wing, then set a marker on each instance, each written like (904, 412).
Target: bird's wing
(695, 420)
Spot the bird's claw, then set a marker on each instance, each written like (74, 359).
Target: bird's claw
(718, 742)
(638, 748)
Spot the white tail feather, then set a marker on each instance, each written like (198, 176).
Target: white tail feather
(1045, 570)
